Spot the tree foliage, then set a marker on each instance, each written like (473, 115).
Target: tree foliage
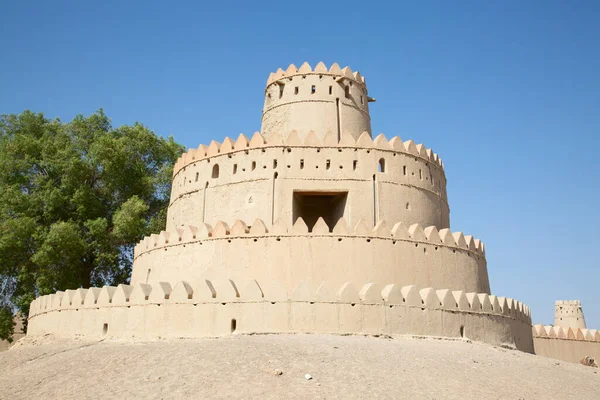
(74, 199)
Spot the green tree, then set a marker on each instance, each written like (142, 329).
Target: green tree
(74, 199)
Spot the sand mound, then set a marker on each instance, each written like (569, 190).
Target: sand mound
(274, 367)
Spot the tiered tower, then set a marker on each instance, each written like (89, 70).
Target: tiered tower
(311, 225)
(569, 314)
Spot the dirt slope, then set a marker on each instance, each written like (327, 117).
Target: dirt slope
(342, 367)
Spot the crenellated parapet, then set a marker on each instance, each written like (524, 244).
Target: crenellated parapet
(239, 229)
(218, 306)
(258, 141)
(559, 332)
(321, 70)
(398, 253)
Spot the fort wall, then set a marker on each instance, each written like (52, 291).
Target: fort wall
(567, 344)
(221, 307)
(258, 178)
(383, 254)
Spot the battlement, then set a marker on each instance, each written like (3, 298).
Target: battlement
(305, 69)
(218, 306)
(258, 141)
(558, 332)
(399, 232)
(568, 302)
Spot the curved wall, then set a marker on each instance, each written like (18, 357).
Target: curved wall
(221, 307)
(257, 179)
(401, 256)
(321, 100)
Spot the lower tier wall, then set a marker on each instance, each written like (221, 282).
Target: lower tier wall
(161, 311)
(571, 345)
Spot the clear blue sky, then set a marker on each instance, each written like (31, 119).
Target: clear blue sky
(507, 92)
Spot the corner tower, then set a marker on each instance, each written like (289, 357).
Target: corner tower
(320, 100)
(569, 314)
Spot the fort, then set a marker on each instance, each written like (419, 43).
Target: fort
(311, 225)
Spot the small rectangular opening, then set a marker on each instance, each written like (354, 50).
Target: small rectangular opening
(104, 330)
(197, 175)
(328, 164)
(311, 205)
(313, 89)
(234, 169)
(301, 164)
(330, 89)
(233, 325)
(296, 90)
(354, 164)
(274, 164)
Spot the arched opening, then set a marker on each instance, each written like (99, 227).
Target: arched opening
(381, 165)
(215, 171)
(462, 331)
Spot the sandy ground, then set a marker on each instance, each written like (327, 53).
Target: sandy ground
(244, 367)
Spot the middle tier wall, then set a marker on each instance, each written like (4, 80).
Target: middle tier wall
(291, 258)
(262, 182)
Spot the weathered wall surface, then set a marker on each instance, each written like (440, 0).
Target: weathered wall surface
(567, 344)
(383, 254)
(322, 100)
(391, 180)
(220, 307)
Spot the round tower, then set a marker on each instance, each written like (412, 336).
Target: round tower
(320, 100)
(569, 314)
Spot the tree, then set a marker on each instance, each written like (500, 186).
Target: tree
(74, 199)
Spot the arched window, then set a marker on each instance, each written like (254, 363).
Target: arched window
(381, 165)
(215, 171)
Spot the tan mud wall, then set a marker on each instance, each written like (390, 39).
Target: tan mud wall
(385, 254)
(566, 343)
(259, 181)
(567, 350)
(220, 307)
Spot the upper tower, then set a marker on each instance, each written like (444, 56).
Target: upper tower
(569, 314)
(320, 100)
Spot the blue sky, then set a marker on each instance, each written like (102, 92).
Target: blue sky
(507, 92)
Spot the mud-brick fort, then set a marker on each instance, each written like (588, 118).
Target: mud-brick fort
(310, 225)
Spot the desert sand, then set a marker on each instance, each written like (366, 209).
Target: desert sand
(274, 367)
